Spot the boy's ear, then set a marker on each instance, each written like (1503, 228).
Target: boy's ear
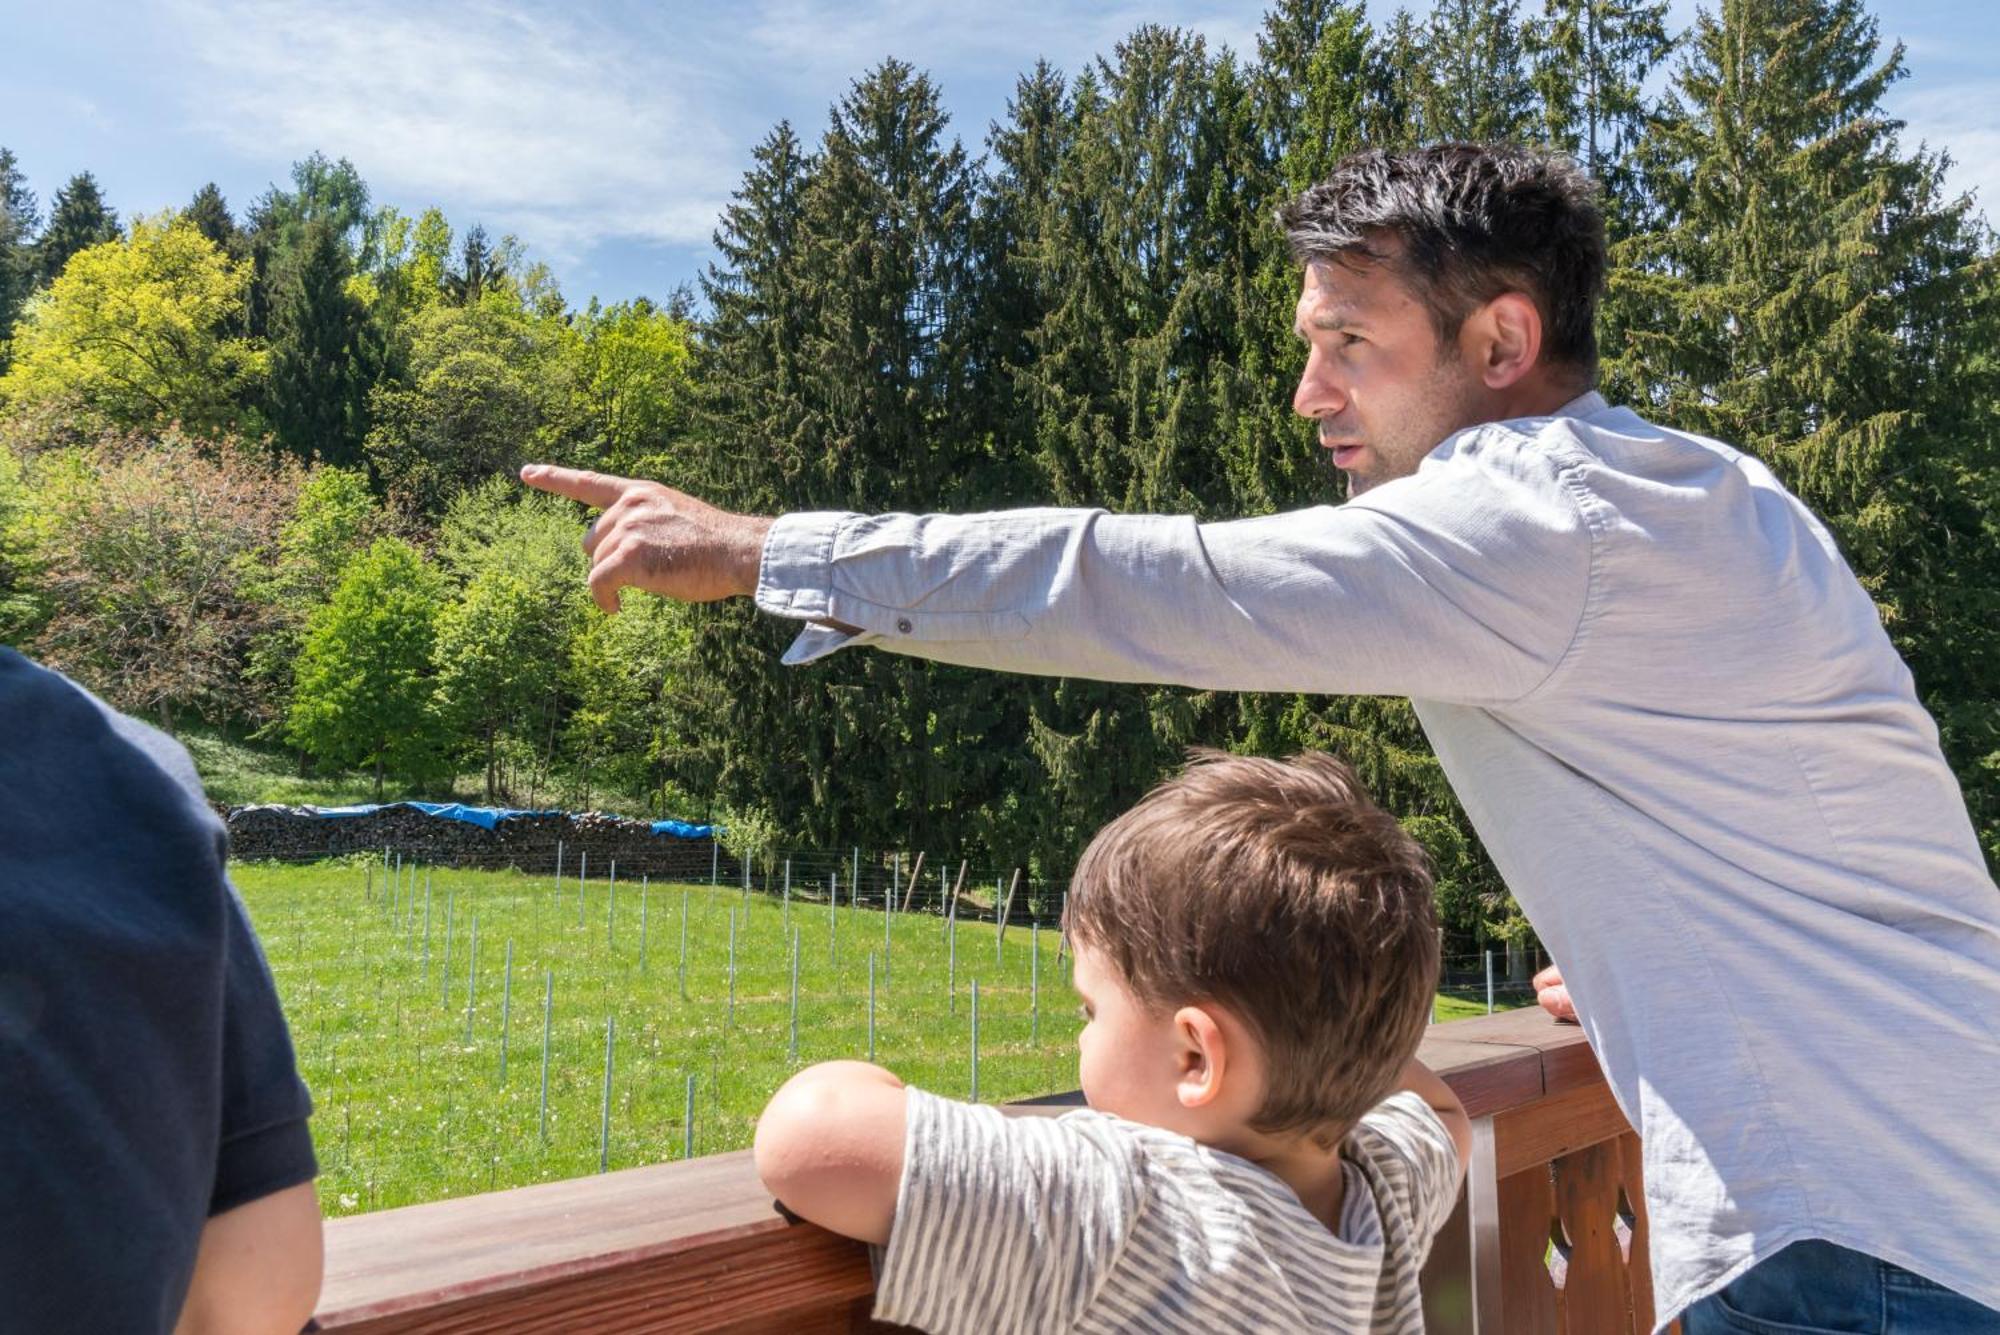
(1203, 1059)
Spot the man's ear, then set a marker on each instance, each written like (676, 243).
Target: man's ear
(1203, 1059)
(1505, 339)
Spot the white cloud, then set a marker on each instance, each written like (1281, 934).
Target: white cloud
(583, 124)
(836, 41)
(1958, 119)
(543, 122)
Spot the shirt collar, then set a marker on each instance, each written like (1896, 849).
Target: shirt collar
(1587, 404)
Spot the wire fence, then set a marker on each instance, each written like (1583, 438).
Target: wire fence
(1496, 976)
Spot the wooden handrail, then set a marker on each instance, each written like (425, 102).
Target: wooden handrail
(699, 1246)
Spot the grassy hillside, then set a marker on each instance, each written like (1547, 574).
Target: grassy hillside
(400, 1019)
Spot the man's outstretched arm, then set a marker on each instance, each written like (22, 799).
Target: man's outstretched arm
(1449, 593)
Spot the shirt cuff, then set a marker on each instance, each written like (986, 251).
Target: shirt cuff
(795, 580)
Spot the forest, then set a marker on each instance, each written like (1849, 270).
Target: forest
(256, 464)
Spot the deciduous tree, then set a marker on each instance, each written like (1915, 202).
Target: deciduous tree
(137, 332)
(365, 683)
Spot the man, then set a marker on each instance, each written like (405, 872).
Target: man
(154, 1153)
(1669, 709)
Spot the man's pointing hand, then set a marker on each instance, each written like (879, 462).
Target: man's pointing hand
(654, 538)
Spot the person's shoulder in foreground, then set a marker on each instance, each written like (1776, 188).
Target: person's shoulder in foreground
(157, 1159)
(1255, 951)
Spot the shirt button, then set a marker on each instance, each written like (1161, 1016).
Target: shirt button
(903, 625)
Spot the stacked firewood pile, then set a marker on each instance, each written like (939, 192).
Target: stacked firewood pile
(295, 834)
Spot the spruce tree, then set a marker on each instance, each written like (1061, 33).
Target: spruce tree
(480, 266)
(323, 360)
(209, 212)
(1136, 359)
(1813, 296)
(1019, 264)
(1313, 83)
(78, 220)
(1591, 60)
(886, 252)
(324, 194)
(1475, 81)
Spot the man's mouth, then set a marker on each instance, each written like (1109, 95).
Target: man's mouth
(1346, 453)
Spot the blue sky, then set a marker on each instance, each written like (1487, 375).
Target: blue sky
(607, 134)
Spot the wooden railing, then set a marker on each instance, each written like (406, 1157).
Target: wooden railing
(1549, 1236)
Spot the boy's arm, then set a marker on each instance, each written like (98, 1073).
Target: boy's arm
(1420, 1080)
(830, 1147)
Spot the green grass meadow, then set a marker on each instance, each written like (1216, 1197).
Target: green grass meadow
(411, 1102)
(410, 1108)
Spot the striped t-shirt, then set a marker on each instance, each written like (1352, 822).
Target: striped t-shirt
(1088, 1222)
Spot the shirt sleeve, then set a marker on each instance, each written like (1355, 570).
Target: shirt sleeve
(266, 1143)
(1408, 1150)
(1004, 1223)
(1466, 582)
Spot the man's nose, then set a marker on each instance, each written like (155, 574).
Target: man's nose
(1318, 395)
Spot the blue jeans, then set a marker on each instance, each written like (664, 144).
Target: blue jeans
(1813, 1288)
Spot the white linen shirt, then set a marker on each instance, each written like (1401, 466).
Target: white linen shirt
(1675, 720)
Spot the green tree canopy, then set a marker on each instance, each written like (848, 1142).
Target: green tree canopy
(485, 383)
(22, 606)
(136, 332)
(364, 686)
(333, 519)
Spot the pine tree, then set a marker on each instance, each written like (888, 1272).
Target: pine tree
(18, 260)
(323, 361)
(1019, 263)
(79, 219)
(1399, 85)
(886, 253)
(325, 195)
(1813, 296)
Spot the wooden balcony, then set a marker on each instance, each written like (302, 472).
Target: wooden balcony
(1550, 1234)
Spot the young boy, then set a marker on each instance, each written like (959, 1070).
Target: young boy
(1256, 952)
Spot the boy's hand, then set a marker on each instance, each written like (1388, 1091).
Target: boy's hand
(654, 538)
(830, 1147)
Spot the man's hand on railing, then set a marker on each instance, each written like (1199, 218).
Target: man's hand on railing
(1552, 996)
(654, 538)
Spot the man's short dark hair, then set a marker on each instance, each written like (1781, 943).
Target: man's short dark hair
(1280, 890)
(1469, 222)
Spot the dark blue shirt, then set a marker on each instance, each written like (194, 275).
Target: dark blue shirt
(146, 1076)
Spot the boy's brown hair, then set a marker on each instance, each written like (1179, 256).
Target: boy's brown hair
(1279, 890)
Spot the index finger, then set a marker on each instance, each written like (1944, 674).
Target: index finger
(598, 489)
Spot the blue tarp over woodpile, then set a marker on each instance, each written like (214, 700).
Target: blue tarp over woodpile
(487, 818)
